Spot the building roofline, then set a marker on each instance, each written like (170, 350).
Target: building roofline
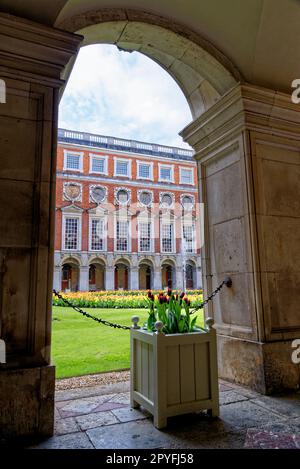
(121, 144)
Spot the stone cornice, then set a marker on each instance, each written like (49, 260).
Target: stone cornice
(34, 49)
(245, 107)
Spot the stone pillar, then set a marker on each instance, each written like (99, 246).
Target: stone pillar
(31, 60)
(247, 147)
(198, 278)
(157, 279)
(178, 283)
(57, 278)
(109, 278)
(84, 284)
(134, 278)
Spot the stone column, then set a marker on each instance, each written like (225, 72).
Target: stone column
(198, 278)
(109, 278)
(84, 284)
(134, 278)
(247, 147)
(157, 279)
(178, 284)
(31, 60)
(57, 278)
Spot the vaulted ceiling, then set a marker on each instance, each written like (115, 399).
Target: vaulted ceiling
(260, 37)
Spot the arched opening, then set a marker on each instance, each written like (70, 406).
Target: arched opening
(168, 276)
(69, 277)
(96, 277)
(121, 276)
(145, 276)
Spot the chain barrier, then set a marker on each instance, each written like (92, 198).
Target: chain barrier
(227, 281)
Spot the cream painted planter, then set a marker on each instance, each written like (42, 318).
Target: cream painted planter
(174, 374)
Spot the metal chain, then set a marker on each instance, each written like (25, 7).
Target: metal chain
(227, 281)
(84, 313)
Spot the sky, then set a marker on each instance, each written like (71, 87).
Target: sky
(125, 95)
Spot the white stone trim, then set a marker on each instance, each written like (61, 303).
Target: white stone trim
(94, 186)
(117, 202)
(181, 202)
(74, 153)
(105, 229)
(147, 163)
(161, 194)
(171, 166)
(70, 214)
(99, 157)
(127, 160)
(185, 168)
(141, 204)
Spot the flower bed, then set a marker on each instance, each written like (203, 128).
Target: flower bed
(117, 299)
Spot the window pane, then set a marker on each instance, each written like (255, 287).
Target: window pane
(122, 168)
(144, 171)
(167, 238)
(165, 174)
(186, 176)
(71, 233)
(73, 161)
(145, 237)
(122, 236)
(98, 165)
(97, 235)
(188, 236)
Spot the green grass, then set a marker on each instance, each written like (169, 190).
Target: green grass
(81, 346)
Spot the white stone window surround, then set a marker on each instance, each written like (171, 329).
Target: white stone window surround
(165, 166)
(78, 198)
(191, 170)
(73, 153)
(140, 192)
(182, 196)
(144, 220)
(66, 215)
(140, 163)
(104, 220)
(116, 191)
(161, 195)
(97, 156)
(95, 186)
(122, 218)
(123, 160)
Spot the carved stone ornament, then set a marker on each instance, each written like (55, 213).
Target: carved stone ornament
(166, 199)
(122, 196)
(187, 201)
(98, 194)
(145, 198)
(72, 191)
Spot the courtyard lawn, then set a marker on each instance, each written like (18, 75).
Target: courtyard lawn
(80, 346)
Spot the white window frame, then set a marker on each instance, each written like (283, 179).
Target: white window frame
(193, 225)
(74, 153)
(150, 221)
(168, 222)
(160, 166)
(147, 163)
(185, 168)
(128, 220)
(71, 215)
(104, 219)
(116, 160)
(99, 157)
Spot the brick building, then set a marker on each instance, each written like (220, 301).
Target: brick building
(126, 215)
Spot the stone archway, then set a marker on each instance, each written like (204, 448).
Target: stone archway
(146, 273)
(96, 275)
(168, 274)
(122, 280)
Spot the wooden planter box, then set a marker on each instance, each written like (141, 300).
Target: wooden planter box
(174, 374)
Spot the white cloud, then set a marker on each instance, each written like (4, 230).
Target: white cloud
(124, 95)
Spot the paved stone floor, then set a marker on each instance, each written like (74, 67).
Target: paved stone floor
(100, 417)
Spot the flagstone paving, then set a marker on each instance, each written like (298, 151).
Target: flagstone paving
(101, 417)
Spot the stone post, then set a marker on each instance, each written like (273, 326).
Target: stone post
(31, 60)
(57, 278)
(134, 278)
(157, 279)
(84, 278)
(247, 148)
(109, 278)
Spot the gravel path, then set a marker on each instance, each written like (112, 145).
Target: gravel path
(92, 380)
